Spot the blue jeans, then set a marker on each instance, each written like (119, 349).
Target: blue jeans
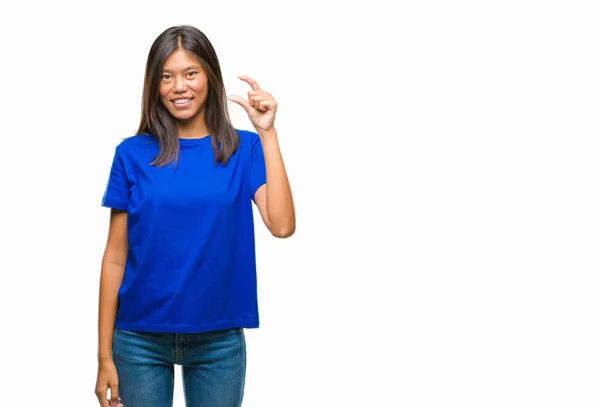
(213, 367)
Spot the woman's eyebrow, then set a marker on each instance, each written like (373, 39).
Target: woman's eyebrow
(185, 69)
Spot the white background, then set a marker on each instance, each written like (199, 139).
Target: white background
(444, 161)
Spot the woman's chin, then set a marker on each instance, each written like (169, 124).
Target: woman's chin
(182, 116)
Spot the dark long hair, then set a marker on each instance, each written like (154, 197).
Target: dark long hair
(156, 119)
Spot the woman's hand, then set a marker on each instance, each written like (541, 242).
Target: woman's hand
(108, 379)
(260, 106)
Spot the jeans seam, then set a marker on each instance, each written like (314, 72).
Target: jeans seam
(176, 348)
(172, 385)
(243, 338)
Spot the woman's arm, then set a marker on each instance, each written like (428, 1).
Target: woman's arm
(111, 276)
(274, 199)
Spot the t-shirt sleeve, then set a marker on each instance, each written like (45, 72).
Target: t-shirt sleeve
(258, 174)
(116, 194)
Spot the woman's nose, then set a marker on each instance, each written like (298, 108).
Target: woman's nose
(179, 85)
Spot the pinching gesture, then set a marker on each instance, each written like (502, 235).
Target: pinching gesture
(260, 106)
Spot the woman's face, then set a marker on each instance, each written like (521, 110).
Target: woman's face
(183, 86)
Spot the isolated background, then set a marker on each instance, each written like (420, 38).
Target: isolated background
(443, 158)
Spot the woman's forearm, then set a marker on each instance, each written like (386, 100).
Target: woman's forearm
(110, 281)
(280, 206)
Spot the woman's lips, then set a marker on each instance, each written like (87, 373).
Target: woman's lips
(187, 102)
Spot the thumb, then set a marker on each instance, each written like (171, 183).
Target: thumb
(240, 101)
(115, 403)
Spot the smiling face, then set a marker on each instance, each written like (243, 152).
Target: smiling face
(183, 86)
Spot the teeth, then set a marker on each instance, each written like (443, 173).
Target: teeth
(181, 101)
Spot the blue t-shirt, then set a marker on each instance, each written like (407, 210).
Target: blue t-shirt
(191, 263)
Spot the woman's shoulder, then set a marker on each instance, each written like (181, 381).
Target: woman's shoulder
(247, 137)
(133, 143)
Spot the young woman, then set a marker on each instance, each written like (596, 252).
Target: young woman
(178, 279)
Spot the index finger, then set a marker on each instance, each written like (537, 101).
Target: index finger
(253, 84)
(102, 399)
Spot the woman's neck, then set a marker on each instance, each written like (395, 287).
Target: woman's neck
(192, 128)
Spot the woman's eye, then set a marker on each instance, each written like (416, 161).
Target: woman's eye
(166, 77)
(192, 74)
